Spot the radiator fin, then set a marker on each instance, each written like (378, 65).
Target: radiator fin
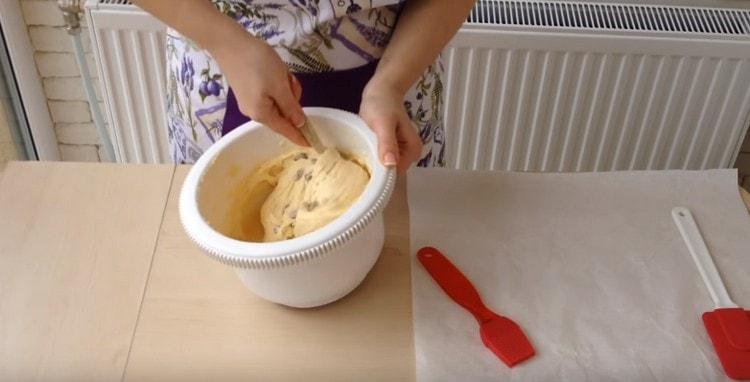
(133, 72)
(541, 110)
(611, 17)
(114, 2)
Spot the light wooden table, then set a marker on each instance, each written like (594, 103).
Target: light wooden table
(76, 245)
(199, 322)
(99, 282)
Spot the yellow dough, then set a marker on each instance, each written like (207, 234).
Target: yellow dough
(307, 191)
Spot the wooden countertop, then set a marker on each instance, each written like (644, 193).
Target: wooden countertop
(76, 246)
(101, 283)
(200, 320)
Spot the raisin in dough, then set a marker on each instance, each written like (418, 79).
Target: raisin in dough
(309, 191)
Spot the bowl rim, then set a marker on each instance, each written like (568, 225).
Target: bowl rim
(306, 247)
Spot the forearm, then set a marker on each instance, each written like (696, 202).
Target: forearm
(197, 20)
(423, 29)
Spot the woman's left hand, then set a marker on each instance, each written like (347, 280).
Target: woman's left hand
(383, 110)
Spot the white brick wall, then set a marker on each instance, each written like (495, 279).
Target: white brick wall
(42, 13)
(69, 111)
(60, 64)
(67, 88)
(76, 134)
(79, 153)
(54, 39)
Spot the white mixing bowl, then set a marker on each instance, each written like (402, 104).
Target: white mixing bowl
(311, 270)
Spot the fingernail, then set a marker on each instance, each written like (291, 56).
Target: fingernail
(389, 159)
(298, 120)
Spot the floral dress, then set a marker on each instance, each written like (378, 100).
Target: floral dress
(311, 36)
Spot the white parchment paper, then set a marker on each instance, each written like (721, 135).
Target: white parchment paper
(590, 265)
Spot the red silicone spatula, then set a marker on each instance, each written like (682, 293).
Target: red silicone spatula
(500, 334)
(728, 325)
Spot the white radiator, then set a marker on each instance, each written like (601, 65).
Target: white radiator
(129, 48)
(566, 86)
(531, 86)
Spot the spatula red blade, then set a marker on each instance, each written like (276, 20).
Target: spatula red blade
(500, 334)
(507, 340)
(734, 360)
(736, 326)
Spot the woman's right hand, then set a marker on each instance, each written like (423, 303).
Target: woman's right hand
(265, 90)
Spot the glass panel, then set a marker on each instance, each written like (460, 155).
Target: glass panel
(15, 139)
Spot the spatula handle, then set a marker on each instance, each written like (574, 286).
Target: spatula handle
(453, 282)
(698, 250)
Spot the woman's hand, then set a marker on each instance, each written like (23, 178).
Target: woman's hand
(382, 108)
(413, 46)
(265, 90)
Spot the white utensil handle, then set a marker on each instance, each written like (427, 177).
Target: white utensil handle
(698, 250)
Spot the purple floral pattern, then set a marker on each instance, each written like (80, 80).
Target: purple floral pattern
(424, 105)
(311, 36)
